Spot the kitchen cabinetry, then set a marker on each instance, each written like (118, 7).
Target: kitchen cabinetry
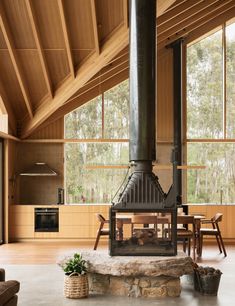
(75, 222)
(227, 225)
(80, 221)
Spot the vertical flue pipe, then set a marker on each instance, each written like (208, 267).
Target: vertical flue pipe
(142, 81)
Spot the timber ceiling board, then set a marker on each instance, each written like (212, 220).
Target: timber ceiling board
(56, 54)
(11, 86)
(107, 21)
(80, 29)
(2, 42)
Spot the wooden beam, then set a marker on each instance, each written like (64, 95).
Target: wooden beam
(156, 167)
(111, 48)
(177, 10)
(207, 18)
(207, 26)
(207, 7)
(8, 136)
(116, 71)
(9, 110)
(14, 58)
(125, 13)
(6, 177)
(163, 5)
(87, 96)
(182, 167)
(101, 140)
(192, 7)
(66, 38)
(228, 140)
(39, 47)
(2, 106)
(93, 65)
(95, 28)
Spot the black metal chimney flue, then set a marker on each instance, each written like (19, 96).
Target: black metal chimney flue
(142, 81)
(177, 47)
(143, 194)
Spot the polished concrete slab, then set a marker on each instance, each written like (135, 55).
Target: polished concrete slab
(43, 285)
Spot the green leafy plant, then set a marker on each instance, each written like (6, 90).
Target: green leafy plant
(75, 264)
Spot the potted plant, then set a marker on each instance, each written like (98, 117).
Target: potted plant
(76, 280)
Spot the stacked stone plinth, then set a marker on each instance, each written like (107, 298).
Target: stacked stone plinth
(136, 276)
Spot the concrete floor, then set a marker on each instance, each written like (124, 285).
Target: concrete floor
(43, 285)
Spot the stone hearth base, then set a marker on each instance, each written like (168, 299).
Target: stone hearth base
(136, 276)
(160, 286)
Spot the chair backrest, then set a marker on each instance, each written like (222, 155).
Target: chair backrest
(217, 218)
(101, 219)
(138, 219)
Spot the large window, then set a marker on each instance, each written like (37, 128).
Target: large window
(99, 132)
(211, 117)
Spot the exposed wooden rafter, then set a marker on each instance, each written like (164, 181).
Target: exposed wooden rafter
(95, 28)
(15, 61)
(206, 8)
(190, 8)
(196, 21)
(66, 38)
(92, 66)
(8, 108)
(177, 10)
(116, 43)
(88, 95)
(163, 5)
(125, 13)
(207, 25)
(39, 47)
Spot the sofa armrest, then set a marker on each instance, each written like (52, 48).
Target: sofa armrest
(8, 290)
(2, 275)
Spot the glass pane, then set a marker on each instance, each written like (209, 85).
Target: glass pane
(86, 185)
(230, 81)
(85, 121)
(205, 88)
(116, 111)
(216, 183)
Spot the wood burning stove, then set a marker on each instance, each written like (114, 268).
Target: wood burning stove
(143, 197)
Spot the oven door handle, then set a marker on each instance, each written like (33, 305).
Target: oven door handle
(46, 214)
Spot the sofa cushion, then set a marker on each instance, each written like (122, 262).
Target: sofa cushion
(7, 290)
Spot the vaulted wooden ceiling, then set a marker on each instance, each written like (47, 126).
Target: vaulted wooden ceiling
(57, 54)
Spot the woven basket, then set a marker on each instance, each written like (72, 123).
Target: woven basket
(76, 286)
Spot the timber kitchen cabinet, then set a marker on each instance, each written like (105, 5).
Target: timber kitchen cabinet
(75, 222)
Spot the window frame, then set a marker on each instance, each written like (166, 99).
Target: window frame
(224, 139)
(95, 140)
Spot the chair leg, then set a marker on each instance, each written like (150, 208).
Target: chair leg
(194, 248)
(189, 246)
(97, 240)
(184, 245)
(222, 244)
(200, 244)
(218, 242)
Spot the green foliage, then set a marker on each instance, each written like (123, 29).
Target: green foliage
(76, 264)
(215, 184)
(84, 185)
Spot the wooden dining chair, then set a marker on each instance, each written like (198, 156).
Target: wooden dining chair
(185, 234)
(101, 230)
(214, 231)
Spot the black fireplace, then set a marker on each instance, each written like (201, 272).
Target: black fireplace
(144, 219)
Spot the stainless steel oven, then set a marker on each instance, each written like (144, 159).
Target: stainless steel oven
(46, 219)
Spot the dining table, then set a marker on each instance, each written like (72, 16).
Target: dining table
(122, 219)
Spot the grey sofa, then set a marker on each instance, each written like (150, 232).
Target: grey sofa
(8, 290)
